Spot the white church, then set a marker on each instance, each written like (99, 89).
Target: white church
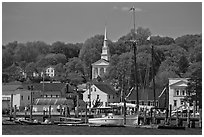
(99, 68)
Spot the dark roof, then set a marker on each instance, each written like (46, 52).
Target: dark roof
(146, 94)
(105, 88)
(53, 101)
(6, 87)
(48, 87)
(58, 101)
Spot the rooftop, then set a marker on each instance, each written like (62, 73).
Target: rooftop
(105, 88)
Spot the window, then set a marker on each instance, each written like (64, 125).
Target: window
(182, 102)
(133, 102)
(183, 92)
(21, 97)
(106, 104)
(113, 97)
(88, 96)
(148, 103)
(177, 92)
(175, 103)
(157, 103)
(97, 96)
(108, 96)
(28, 97)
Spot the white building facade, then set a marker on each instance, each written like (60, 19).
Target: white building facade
(177, 92)
(101, 92)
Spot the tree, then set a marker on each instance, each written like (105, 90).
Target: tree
(75, 65)
(91, 52)
(141, 34)
(51, 59)
(194, 88)
(69, 50)
(7, 58)
(120, 70)
(183, 64)
(187, 42)
(157, 40)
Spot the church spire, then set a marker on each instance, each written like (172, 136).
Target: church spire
(105, 49)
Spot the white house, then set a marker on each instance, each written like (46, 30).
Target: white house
(49, 71)
(177, 92)
(101, 92)
(21, 95)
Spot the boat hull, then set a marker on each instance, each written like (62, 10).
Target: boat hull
(114, 120)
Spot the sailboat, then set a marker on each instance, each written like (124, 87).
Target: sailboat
(119, 120)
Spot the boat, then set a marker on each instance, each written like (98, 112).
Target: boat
(68, 120)
(27, 122)
(114, 120)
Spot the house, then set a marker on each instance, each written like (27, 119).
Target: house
(100, 94)
(49, 71)
(99, 68)
(21, 96)
(177, 92)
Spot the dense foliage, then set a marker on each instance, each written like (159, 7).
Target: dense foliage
(172, 58)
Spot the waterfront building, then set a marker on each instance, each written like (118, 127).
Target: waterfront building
(100, 94)
(21, 96)
(177, 92)
(99, 67)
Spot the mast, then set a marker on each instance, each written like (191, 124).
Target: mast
(135, 42)
(153, 76)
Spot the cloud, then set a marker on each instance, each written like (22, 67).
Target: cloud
(125, 8)
(115, 7)
(138, 9)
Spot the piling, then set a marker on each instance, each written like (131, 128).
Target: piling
(200, 118)
(124, 120)
(145, 116)
(77, 106)
(177, 118)
(188, 117)
(11, 106)
(86, 120)
(50, 112)
(170, 109)
(25, 113)
(60, 110)
(14, 116)
(194, 108)
(150, 115)
(31, 110)
(43, 115)
(31, 105)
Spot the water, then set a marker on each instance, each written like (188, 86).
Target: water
(85, 130)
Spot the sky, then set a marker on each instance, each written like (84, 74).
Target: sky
(76, 22)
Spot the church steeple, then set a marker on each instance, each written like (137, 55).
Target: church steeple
(105, 49)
